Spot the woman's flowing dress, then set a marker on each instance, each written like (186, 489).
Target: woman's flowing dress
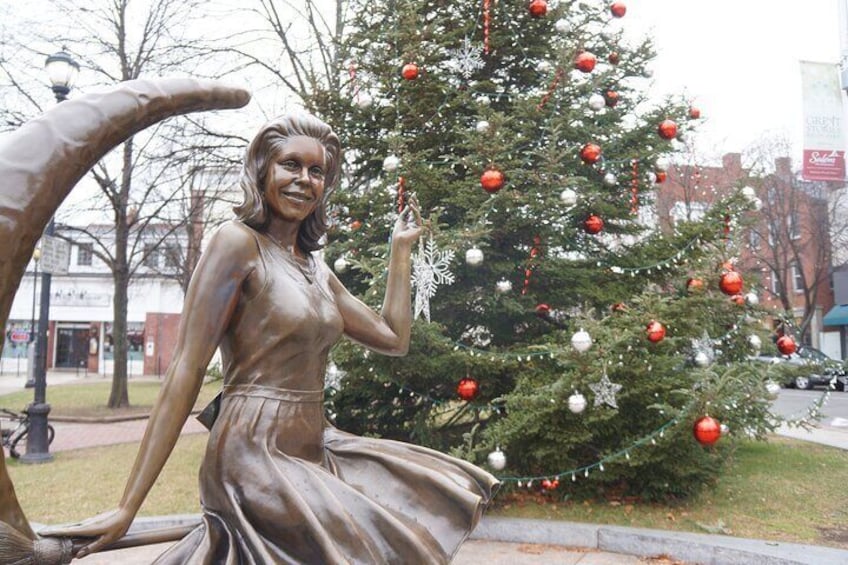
(279, 484)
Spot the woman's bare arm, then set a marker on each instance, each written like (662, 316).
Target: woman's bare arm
(212, 297)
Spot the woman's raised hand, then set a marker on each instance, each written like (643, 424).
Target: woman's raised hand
(408, 224)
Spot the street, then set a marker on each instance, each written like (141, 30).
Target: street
(795, 404)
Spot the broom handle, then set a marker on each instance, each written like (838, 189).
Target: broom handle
(146, 537)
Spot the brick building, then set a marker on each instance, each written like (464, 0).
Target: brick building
(786, 244)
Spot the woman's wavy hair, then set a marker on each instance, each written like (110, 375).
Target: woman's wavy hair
(258, 158)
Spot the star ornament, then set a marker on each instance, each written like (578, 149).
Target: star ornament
(605, 391)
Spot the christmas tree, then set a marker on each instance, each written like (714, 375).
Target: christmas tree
(558, 331)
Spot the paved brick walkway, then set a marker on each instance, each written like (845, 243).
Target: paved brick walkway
(77, 436)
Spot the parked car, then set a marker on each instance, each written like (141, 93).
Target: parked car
(807, 368)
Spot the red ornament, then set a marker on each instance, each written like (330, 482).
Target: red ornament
(730, 283)
(593, 224)
(661, 176)
(548, 484)
(409, 71)
(542, 310)
(694, 113)
(786, 345)
(694, 284)
(585, 62)
(538, 8)
(590, 153)
(468, 389)
(614, 58)
(667, 129)
(355, 225)
(707, 430)
(738, 299)
(611, 98)
(492, 180)
(619, 307)
(655, 331)
(618, 9)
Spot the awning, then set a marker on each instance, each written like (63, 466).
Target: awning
(838, 316)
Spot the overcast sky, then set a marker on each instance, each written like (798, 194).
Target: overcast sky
(738, 59)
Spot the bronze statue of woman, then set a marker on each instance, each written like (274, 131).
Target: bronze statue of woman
(278, 483)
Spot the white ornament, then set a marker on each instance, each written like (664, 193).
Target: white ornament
(597, 102)
(466, 60)
(497, 459)
(772, 388)
(752, 299)
(757, 204)
(474, 257)
(483, 100)
(391, 163)
(544, 66)
(562, 26)
(581, 341)
(577, 403)
(605, 391)
(651, 177)
(724, 429)
(364, 100)
(755, 342)
(610, 179)
(662, 163)
(341, 265)
(482, 126)
(503, 286)
(749, 193)
(568, 197)
(429, 270)
(702, 359)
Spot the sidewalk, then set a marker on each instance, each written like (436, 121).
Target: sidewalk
(501, 541)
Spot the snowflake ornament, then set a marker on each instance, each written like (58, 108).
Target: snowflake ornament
(605, 391)
(466, 60)
(429, 270)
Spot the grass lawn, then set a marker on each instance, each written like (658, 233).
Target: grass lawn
(771, 491)
(89, 399)
(784, 490)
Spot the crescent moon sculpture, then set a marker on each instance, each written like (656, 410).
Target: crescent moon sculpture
(42, 161)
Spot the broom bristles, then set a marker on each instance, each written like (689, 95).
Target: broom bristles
(18, 549)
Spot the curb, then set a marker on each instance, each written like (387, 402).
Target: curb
(690, 547)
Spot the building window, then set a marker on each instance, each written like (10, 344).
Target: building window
(84, 254)
(793, 226)
(775, 284)
(754, 239)
(151, 256)
(172, 257)
(797, 279)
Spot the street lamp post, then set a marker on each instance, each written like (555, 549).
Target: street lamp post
(36, 255)
(62, 71)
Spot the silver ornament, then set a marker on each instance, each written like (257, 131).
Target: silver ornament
(568, 197)
(597, 102)
(364, 100)
(577, 403)
(562, 26)
(662, 163)
(757, 204)
(482, 126)
(497, 459)
(391, 163)
(651, 177)
(755, 342)
(581, 341)
(749, 193)
(610, 179)
(702, 359)
(503, 286)
(752, 299)
(474, 257)
(341, 265)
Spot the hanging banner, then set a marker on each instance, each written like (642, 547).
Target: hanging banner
(824, 145)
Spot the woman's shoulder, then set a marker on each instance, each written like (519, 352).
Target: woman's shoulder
(232, 236)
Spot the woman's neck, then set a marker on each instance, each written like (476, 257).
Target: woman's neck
(284, 234)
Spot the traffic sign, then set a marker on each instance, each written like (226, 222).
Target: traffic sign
(55, 255)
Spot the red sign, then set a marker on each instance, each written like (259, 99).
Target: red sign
(19, 336)
(824, 164)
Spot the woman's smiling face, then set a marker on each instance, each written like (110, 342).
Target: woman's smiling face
(294, 184)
